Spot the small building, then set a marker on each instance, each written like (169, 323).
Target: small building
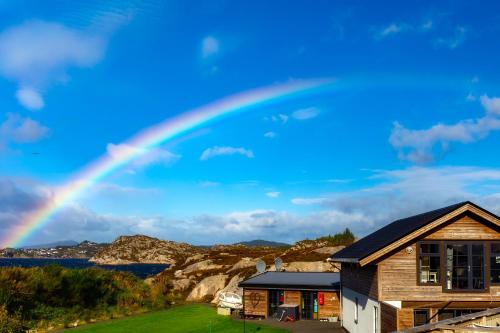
(421, 270)
(316, 294)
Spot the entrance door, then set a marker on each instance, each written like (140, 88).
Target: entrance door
(276, 298)
(309, 305)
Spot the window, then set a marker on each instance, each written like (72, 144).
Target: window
(420, 317)
(356, 310)
(452, 313)
(495, 262)
(465, 266)
(429, 262)
(375, 319)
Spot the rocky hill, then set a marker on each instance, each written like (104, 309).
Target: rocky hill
(203, 276)
(202, 273)
(143, 249)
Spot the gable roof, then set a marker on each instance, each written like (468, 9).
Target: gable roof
(294, 280)
(398, 229)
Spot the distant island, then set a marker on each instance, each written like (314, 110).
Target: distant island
(85, 249)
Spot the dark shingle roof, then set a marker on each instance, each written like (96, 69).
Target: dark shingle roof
(294, 280)
(391, 233)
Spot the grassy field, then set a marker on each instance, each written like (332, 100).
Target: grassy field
(196, 318)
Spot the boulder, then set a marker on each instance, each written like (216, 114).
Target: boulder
(182, 284)
(209, 286)
(312, 266)
(231, 287)
(329, 250)
(178, 274)
(243, 263)
(196, 257)
(204, 265)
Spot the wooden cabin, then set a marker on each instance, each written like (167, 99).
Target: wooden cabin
(316, 294)
(422, 269)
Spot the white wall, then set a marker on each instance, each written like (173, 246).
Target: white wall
(365, 322)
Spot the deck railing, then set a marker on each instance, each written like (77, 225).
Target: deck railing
(484, 321)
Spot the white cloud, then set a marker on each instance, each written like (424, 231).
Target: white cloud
(309, 201)
(209, 46)
(36, 53)
(270, 135)
(491, 105)
(391, 29)
(30, 99)
(307, 113)
(142, 157)
(419, 146)
(220, 151)
(21, 130)
(273, 194)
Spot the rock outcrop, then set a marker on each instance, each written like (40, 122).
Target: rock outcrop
(205, 265)
(142, 249)
(231, 287)
(208, 287)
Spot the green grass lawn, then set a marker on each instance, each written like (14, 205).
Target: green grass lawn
(196, 318)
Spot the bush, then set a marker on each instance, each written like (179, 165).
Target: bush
(10, 324)
(46, 295)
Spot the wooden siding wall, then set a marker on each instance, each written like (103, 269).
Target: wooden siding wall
(255, 302)
(360, 279)
(465, 228)
(405, 319)
(331, 307)
(388, 318)
(292, 297)
(398, 273)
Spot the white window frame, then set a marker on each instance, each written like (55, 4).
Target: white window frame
(356, 315)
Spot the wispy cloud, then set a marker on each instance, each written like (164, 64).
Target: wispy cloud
(392, 29)
(270, 135)
(18, 129)
(307, 113)
(457, 38)
(30, 98)
(226, 150)
(209, 46)
(36, 53)
(273, 194)
(419, 146)
(145, 157)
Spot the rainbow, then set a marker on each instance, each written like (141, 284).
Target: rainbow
(151, 137)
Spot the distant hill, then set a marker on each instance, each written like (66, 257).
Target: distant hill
(51, 245)
(261, 242)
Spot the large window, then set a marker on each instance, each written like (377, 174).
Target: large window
(453, 313)
(420, 317)
(429, 262)
(495, 262)
(465, 266)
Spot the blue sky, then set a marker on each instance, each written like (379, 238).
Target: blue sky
(412, 124)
